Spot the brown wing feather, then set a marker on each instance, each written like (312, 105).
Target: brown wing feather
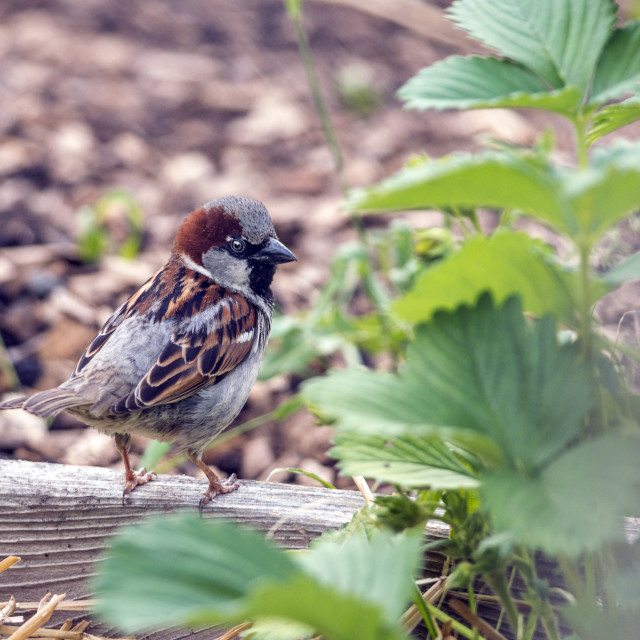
(196, 359)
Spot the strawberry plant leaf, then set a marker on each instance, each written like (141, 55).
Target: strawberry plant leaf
(505, 264)
(322, 608)
(613, 117)
(406, 460)
(504, 181)
(477, 376)
(183, 570)
(628, 270)
(174, 570)
(377, 570)
(559, 40)
(594, 623)
(608, 190)
(618, 70)
(575, 504)
(475, 83)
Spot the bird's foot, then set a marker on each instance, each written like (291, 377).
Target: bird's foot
(229, 485)
(136, 478)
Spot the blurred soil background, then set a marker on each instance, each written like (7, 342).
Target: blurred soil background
(176, 103)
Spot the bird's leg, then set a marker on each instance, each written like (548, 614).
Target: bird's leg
(216, 485)
(131, 478)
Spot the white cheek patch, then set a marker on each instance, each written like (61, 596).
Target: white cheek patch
(196, 267)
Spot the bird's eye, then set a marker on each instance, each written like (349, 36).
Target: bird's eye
(237, 245)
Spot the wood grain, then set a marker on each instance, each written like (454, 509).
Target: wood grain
(58, 519)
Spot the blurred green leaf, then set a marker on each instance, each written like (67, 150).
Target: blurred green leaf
(608, 190)
(114, 224)
(594, 623)
(328, 611)
(173, 570)
(575, 504)
(479, 377)
(613, 117)
(378, 570)
(478, 83)
(627, 271)
(618, 70)
(505, 264)
(183, 570)
(278, 629)
(406, 460)
(560, 40)
(153, 453)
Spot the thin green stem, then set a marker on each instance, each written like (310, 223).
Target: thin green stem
(580, 128)
(585, 299)
(472, 605)
(455, 625)
(418, 600)
(499, 586)
(549, 621)
(541, 607)
(457, 214)
(573, 579)
(590, 577)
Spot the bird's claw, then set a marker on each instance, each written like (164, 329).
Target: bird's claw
(229, 485)
(136, 478)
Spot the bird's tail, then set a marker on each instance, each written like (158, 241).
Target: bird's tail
(45, 403)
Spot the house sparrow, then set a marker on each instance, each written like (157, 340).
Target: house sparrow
(177, 360)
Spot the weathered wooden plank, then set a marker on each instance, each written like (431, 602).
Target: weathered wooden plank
(58, 519)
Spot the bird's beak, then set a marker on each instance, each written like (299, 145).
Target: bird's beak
(274, 252)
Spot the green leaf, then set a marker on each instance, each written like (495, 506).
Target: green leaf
(618, 70)
(595, 623)
(174, 570)
(480, 378)
(575, 504)
(500, 180)
(560, 40)
(608, 191)
(613, 117)
(323, 608)
(406, 460)
(378, 570)
(627, 271)
(476, 83)
(278, 629)
(183, 570)
(505, 264)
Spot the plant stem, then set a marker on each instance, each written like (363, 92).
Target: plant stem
(585, 300)
(498, 584)
(418, 600)
(572, 577)
(549, 621)
(455, 625)
(472, 606)
(580, 127)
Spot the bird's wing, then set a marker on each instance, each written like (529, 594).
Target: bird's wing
(104, 334)
(201, 350)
